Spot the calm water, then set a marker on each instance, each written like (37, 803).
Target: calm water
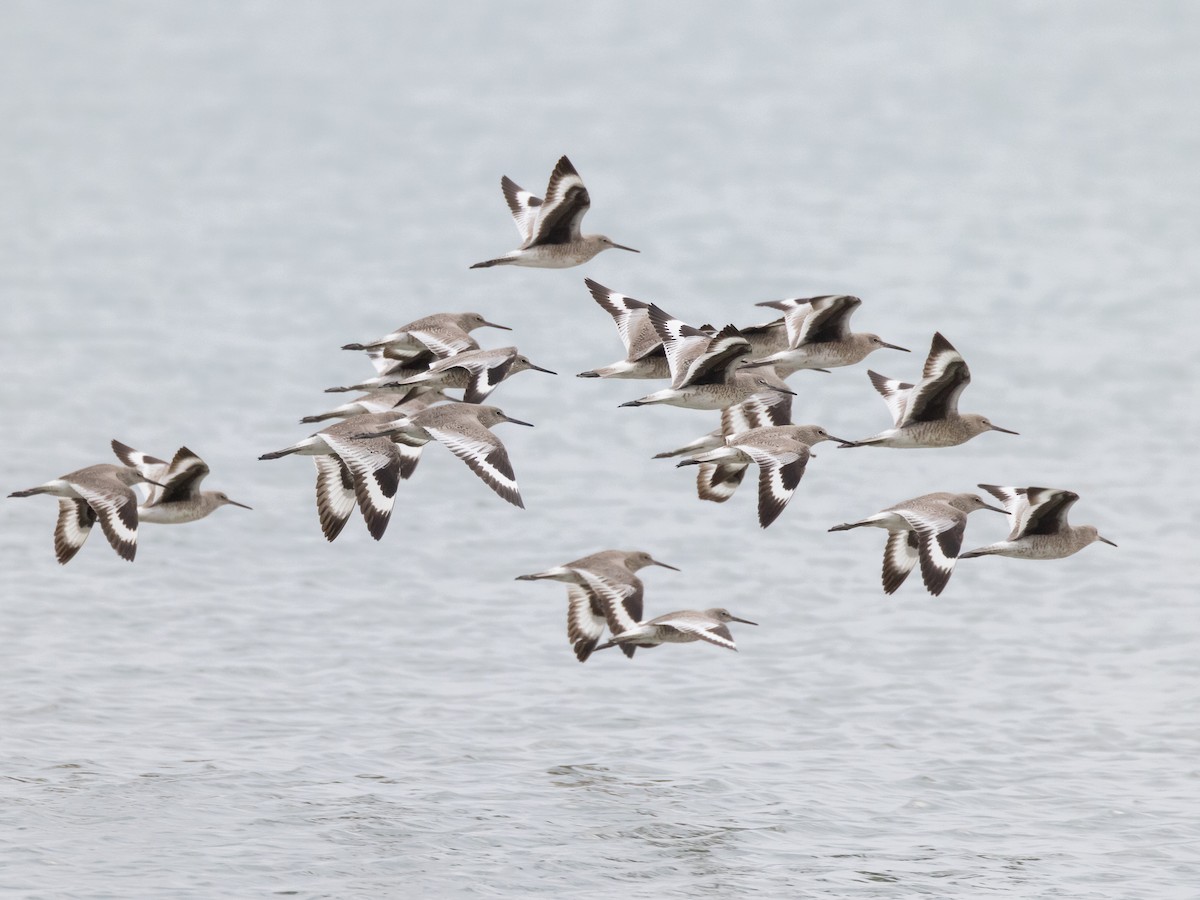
(203, 202)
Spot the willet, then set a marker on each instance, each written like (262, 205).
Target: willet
(477, 372)
(781, 453)
(680, 627)
(585, 614)
(644, 353)
(378, 401)
(704, 367)
(718, 481)
(97, 492)
(442, 333)
(463, 429)
(819, 335)
(929, 527)
(180, 498)
(1039, 525)
(645, 356)
(390, 373)
(926, 415)
(550, 228)
(353, 467)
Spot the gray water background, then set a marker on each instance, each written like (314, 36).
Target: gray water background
(202, 202)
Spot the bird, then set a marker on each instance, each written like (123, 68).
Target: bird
(645, 356)
(448, 333)
(781, 452)
(549, 228)
(477, 372)
(101, 492)
(705, 371)
(463, 429)
(929, 528)
(179, 499)
(585, 615)
(926, 414)
(680, 627)
(380, 400)
(718, 481)
(819, 335)
(352, 467)
(1039, 525)
(644, 353)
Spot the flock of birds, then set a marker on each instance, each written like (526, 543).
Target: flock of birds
(376, 439)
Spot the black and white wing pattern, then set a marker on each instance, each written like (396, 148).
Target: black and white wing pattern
(483, 453)
(563, 208)
(705, 629)
(900, 555)
(75, 520)
(524, 206)
(116, 508)
(939, 540)
(895, 394)
(335, 495)
(779, 472)
(374, 465)
(182, 480)
(150, 466)
(945, 377)
(631, 318)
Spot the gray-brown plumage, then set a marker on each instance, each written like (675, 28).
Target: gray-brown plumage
(101, 492)
(1040, 529)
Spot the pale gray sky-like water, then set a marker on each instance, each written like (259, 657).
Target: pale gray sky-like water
(202, 203)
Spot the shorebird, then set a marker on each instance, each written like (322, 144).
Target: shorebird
(929, 527)
(586, 617)
(645, 356)
(442, 333)
(644, 353)
(463, 429)
(819, 335)
(718, 481)
(781, 453)
(477, 372)
(1039, 525)
(101, 492)
(352, 467)
(179, 499)
(378, 401)
(926, 415)
(550, 228)
(704, 367)
(680, 627)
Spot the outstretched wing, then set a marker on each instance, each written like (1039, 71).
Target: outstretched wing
(945, 377)
(523, 205)
(75, 520)
(566, 202)
(484, 455)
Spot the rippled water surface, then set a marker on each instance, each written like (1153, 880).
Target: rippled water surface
(202, 202)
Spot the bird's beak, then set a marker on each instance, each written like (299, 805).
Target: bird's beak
(674, 569)
(1106, 540)
(743, 621)
(494, 325)
(842, 442)
(783, 390)
(894, 347)
(235, 503)
(517, 421)
(994, 509)
(623, 247)
(1005, 430)
(540, 369)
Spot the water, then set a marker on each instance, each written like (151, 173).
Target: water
(202, 202)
